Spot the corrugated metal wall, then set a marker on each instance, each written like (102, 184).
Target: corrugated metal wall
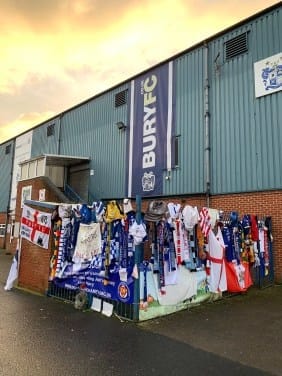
(267, 40)
(43, 144)
(188, 178)
(89, 131)
(246, 131)
(6, 161)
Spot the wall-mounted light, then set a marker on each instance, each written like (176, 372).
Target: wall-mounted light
(168, 175)
(120, 125)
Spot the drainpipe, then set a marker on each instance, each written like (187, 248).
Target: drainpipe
(59, 135)
(207, 127)
(9, 195)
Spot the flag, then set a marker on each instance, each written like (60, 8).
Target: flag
(36, 226)
(14, 271)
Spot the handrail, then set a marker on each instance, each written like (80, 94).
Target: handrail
(72, 195)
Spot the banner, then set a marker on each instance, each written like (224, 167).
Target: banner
(94, 282)
(88, 242)
(36, 226)
(151, 130)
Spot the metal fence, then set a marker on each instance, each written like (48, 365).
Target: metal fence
(123, 310)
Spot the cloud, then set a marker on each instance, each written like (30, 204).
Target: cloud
(22, 124)
(55, 54)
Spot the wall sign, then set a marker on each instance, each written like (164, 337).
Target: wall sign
(268, 75)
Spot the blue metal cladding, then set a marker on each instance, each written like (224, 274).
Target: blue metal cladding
(246, 132)
(90, 130)
(188, 177)
(44, 144)
(6, 161)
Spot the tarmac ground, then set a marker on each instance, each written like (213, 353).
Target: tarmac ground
(245, 329)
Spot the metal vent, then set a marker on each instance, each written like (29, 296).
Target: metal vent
(236, 46)
(50, 130)
(8, 149)
(121, 98)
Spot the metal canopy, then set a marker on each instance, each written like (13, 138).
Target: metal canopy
(64, 160)
(59, 160)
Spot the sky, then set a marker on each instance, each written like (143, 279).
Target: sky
(57, 53)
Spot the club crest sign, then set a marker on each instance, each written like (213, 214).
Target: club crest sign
(268, 75)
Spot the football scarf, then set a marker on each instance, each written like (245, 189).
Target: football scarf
(155, 251)
(60, 259)
(161, 275)
(170, 247)
(144, 267)
(184, 244)
(129, 220)
(177, 241)
(205, 221)
(106, 245)
(56, 240)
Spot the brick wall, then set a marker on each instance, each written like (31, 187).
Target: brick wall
(35, 261)
(34, 267)
(2, 222)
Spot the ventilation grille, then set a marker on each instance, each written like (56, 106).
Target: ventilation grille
(50, 130)
(121, 98)
(236, 46)
(8, 149)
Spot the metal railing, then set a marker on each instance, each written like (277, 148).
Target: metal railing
(72, 195)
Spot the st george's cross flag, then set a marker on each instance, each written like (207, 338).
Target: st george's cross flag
(36, 226)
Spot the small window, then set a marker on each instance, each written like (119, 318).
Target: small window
(236, 46)
(50, 130)
(8, 149)
(121, 98)
(2, 230)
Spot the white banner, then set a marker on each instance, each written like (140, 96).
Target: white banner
(88, 242)
(36, 226)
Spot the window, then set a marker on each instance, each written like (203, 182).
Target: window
(121, 98)
(176, 151)
(50, 130)
(8, 149)
(32, 169)
(2, 230)
(40, 167)
(236, 46)
(24, 171)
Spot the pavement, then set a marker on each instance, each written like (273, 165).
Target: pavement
(244, 329)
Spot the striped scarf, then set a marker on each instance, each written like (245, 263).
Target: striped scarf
(205, 221)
